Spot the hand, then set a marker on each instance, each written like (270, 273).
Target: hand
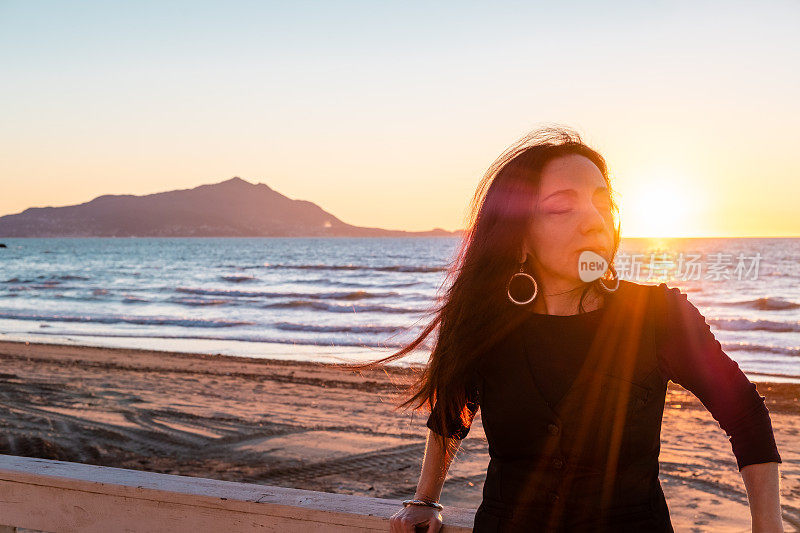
(407, 519)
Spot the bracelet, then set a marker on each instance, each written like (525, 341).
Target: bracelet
(423, 503)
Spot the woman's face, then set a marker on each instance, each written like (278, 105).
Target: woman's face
(572, 213)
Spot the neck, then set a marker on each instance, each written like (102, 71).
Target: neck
(564, 298)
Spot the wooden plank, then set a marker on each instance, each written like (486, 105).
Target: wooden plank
(60, 496)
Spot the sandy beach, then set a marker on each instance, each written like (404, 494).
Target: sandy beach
(314, 426)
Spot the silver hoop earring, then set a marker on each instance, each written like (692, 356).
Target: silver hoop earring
(525, 275)
(615, 278)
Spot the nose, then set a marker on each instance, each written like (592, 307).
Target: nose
(593, 220)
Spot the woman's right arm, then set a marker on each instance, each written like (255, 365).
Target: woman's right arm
(435, 465)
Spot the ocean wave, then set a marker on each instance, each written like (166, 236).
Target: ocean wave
(139, 320)
(128, 299)
(762, 348)
(47, 279)
(197, 302)
(50, 284)
(745, 324)
(767, 303)
(390, 268)
(288, 326)
(353, 284)
(334, 308)
(238, 279)
(692, 289)
(340, 295)
(322, 342)
(29, 284)
(238, 267)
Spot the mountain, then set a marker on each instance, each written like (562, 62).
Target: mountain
(232, 208)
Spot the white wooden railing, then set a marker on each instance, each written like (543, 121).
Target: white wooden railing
(58, 496)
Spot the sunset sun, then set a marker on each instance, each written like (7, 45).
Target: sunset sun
(663, 205)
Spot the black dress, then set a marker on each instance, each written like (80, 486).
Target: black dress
(572, 408)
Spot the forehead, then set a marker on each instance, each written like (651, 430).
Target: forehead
(570, 172)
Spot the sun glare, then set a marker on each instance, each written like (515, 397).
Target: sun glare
(663, 205)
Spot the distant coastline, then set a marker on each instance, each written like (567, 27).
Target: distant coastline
(232, 208)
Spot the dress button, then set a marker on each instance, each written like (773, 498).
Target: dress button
(552, 429)
(558, 463)
(553, 497)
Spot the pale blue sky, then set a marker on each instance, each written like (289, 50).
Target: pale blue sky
(386, 114)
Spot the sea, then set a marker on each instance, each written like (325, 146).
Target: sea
(352, 299)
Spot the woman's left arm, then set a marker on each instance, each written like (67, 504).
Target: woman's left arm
(691, 356)
(763, 493)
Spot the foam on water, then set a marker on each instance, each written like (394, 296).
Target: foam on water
(361, 297)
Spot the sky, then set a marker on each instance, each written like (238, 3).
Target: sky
(387, 114)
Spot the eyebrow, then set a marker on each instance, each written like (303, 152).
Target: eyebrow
(573, 192)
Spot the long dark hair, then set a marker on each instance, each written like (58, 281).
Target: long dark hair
(474, 312)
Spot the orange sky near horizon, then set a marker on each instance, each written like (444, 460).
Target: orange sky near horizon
(657, 199)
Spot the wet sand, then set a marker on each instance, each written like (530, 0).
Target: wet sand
(316, 427)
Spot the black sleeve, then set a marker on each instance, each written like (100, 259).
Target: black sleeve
(457, 428)
(691, 356)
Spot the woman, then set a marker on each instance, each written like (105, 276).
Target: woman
(570, 375)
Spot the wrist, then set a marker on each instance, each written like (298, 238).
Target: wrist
(425, 498)
(423, 503)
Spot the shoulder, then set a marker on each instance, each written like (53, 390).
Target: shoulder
(659, 301)
(653, 293)
(675, 314)
(672, 298)
(637, 295)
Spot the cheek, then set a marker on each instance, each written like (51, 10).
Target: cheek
(553, 243)
(554, 231)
